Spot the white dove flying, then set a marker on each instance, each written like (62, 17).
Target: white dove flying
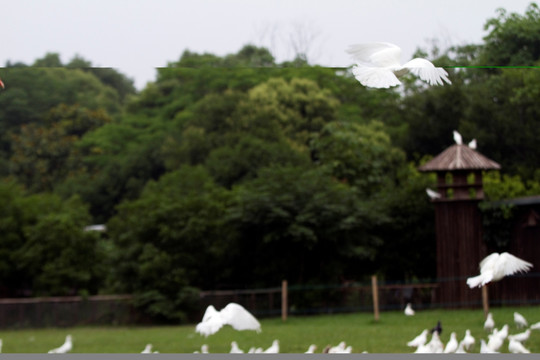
(496, 266)
(64, 348)
(433, 194)
(378, 66)
(233, 314)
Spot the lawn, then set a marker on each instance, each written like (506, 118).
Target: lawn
(389, 335)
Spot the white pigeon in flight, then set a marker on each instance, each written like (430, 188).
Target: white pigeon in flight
(378, 65)
(520, 321)
(433, 194)
(496, 266)
(64, 348)
(233, 314)
(409, 310)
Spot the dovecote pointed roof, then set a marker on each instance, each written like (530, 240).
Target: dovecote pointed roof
(459, 157)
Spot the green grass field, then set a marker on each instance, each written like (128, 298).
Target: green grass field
(389, 335)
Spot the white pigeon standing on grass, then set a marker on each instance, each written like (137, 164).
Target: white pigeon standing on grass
(520, 320)
(461, 348)
(409, 310)
(468, 341)
(495, 342)
(311, 349)
(235, 349)
(516, 347)
(496, 266)
(435, 344)
(535, 326)
(485, 349)
(338, 349)
(148, 350)
(489, 324)
(419, 340)
(64, 348)
(452, 344)
(378, 65)
(233, 314)
(273, 349)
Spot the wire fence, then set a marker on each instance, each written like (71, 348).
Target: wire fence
(295, 299)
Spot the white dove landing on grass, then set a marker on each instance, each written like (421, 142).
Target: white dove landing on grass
(233, 314)
(64, 348)
(378, 66)
(496, 266)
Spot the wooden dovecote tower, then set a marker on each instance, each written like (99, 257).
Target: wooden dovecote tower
(458, 221)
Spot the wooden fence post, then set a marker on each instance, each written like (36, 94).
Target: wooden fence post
(284, 299)
(485, 300)
(375, 292)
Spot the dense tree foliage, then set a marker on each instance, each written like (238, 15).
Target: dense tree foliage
(238, 171)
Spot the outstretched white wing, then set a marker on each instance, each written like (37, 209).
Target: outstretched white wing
(211, 322)
(239, 318)
(375, 77)
(426, 71)
(511, 264)
(378, 54)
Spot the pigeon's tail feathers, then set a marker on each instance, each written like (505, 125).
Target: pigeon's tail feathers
(375, 77)
(477, 281)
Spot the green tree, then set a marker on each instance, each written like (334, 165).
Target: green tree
(171, 241)
(301, 224)
(513, 39)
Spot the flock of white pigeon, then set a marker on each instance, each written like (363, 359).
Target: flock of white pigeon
(496, 338)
